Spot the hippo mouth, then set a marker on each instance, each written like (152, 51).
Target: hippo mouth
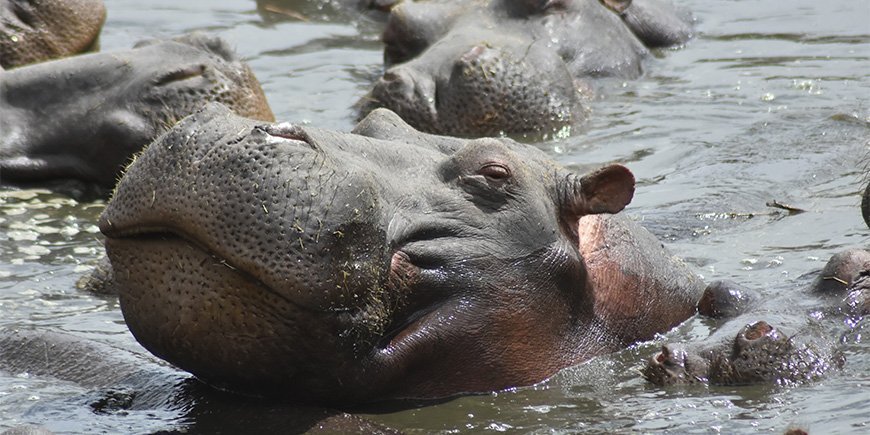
(202, 299)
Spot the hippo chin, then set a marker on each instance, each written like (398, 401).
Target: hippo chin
(277, 259)
(37, 30)
(482, 68)
(84, 117)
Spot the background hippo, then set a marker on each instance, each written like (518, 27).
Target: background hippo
(85, 117)
(474, 68)
(388, 263)
(38, 30)
(760, 352)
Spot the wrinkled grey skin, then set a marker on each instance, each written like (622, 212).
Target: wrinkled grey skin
(483, 68)
(117, 381)
(38, 30)
(387, 263)
(759, 352)
(85, 117)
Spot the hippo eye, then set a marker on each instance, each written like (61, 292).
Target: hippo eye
(180, 74)
(495, 172)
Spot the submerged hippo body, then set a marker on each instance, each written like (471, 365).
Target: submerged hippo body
(759, 352)
(111, 383)
(478, 68)
(85, 117)
(37, 30)
(387, 263)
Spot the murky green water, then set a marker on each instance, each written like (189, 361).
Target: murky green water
(769, 102)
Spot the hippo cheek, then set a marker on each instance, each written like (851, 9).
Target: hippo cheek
(217, 322)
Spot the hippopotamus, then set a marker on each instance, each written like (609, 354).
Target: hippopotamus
(85, 117)
(38, 30)
(475, 68)
(761, 352)
(385, 263)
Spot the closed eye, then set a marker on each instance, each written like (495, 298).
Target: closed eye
(495, 172)
(180, 74)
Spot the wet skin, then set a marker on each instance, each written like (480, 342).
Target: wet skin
(318, 266)
(759, 353)
(474, 68)
(38, 30)
(85, 117)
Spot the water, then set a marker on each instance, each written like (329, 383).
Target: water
(769, 102)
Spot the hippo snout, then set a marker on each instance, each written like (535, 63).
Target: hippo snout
(675, 364)
(410, 94)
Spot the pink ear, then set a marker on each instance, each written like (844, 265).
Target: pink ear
(607, 190)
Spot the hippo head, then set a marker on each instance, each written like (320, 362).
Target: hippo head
(34, 31)
(475, 68)
(759, 353)
(84, 117)
(316, 265)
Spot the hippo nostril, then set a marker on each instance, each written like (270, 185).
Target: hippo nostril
(757, 330)
(672, 355)
(392, 76)
(398, 81)
(662, 356)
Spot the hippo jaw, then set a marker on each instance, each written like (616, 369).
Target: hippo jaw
(282, 260)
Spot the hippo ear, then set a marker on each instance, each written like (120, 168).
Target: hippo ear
(607, 190)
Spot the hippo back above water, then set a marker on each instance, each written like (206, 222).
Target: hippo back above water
(481, 68)
(388, 263)
(85, 117)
